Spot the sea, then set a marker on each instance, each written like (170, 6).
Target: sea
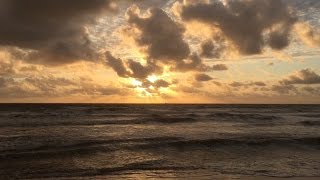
(159, 141)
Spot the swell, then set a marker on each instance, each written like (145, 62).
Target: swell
(85, 147)
(243, 117)
(91, 147)
(148, 119)
(151, 165)
(158, 120)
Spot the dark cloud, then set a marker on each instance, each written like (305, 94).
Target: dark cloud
(141, 72)
(6, 68)
(249, 24)
(305, 76)
(284, 89)
(217, 83)
(312, 90)
(162, 39)
(161, 83)
(2, 82)
(258, 83)
(116, 64)
(237, 84)
(203, 77)
(54, 30)
(132, 68)
(193, 63)
(247, 84)
(220, 67)
(213, 48)
(210, 50)
(50, 86)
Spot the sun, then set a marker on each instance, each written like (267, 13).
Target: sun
(151, 87)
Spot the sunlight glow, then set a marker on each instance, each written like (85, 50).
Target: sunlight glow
(152, 78)
(135, 82)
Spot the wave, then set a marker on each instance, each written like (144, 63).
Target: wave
(143, 120)
(310, 123)
(243, 117)
(91, 147)
(147, 165)
(43, 121)
(85, 147)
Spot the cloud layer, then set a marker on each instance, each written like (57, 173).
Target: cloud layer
(249, 25)
(54, 30)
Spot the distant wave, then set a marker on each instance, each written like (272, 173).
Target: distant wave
(39, 121)
(148, 165)
(89, 147)
(155, 120)
(247, 117)
(310, 123)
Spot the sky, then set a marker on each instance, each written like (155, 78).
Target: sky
(160, 51)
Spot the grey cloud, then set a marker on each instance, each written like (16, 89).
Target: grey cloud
(258, 83)
(237, 84)
(193, 63)
(220, 67)
(53, 30)
(305, 76)
(162, 36)
(203, 77)
(208, 50)
(217, 83)
(133, 69)
(2, 82)
(245, 22)
(248, 84)
(50, 86)
(161, 83)
(116, 64)
(6, 68)
(284, 89)
(141, 72)
(162, 39)
(213, 48)
(312, 90)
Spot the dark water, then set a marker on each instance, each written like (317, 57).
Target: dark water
(159, 141)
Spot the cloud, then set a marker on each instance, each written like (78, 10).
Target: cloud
(116, 64)
(307, 34)
(247, 84)
(236, 84)
(220, 67)
(6, 68)
(284, 89)
(305, 76)
(249, 25)
(131, 68)
(203, 77)
(258, 83)
(312, 90)
(53, 32)
(210, 49)
(159, 34)
(52, 86)
(161, 39)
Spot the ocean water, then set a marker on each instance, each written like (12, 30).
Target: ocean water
(102, 141)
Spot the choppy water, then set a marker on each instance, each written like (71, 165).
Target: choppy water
(159, 141)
